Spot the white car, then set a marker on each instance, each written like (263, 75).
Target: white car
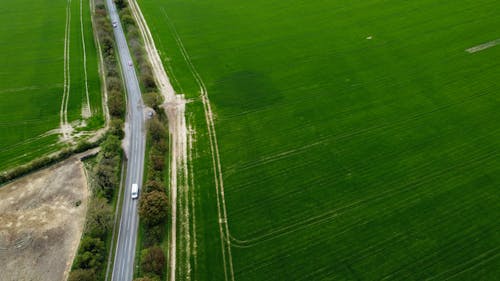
(129, 63)
(135, 191)
(115, 24)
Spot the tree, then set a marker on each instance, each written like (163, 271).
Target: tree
(116, 128)
(156, 129)
(116, 103)
(92, 252)
(148, 81)
(111, 146)
(153, 100)
(99, 217)
(120, 4)
(153, 235)
(157, 162)
(82, 275)
(153, 207)
(153, 185)
(153, 260)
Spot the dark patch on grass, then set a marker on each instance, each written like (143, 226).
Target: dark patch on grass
(244, 91)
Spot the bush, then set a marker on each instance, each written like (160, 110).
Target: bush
(157, 130)
(148, 81)
(99, 218)
(114, 84)
(153, 100)
(120, 4)
(116, 128)
(153, 260)
(155, 278)
(82, 275)
(153, 185)
(92, 253)
(158, 162)
(116, 104)
(153, 207)
(153, 235)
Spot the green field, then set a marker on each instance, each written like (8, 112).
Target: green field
(32, 78)
(358, 139)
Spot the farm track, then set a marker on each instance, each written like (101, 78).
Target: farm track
(64, 125)
(86, 108)
(179, 167)
(219, 183)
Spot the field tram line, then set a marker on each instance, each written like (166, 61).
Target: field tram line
(64, 126)
(324, 140)
(403, 123)
(470, 264)
(86, 108)
(223, 220)
(330, 215)
(221, 206)
(448, 246)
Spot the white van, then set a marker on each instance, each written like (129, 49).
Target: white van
(135, 191)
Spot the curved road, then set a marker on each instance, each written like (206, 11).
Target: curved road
(123, 267)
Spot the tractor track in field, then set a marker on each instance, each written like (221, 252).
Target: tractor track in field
(214, 148)
(65, 127)
(86, 109)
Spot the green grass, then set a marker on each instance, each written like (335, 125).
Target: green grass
(32, 76)
(343, 158)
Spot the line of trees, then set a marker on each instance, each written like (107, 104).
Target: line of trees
(90, 261)
(136, 46)
(46, 161)
(153, 205)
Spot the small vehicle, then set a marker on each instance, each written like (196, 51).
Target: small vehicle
(129, 63)
(135, 191)
(115, 24)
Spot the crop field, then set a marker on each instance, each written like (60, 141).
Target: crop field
(358, 140)
(49, 77)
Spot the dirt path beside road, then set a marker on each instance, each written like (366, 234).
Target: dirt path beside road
(175, 108)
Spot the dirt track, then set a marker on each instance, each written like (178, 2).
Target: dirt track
(175, 108)
(41, 224)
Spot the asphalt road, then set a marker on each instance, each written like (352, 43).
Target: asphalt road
(123, 266)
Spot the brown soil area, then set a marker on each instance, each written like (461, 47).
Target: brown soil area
(41, 224)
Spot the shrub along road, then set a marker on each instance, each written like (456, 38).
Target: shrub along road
(123, 267)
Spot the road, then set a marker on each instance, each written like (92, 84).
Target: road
(123, 267)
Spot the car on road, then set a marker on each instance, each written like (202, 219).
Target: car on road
(135, 191)
(115, 24)
(129, 63)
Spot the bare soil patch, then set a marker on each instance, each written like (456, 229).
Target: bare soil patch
(41, 221)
